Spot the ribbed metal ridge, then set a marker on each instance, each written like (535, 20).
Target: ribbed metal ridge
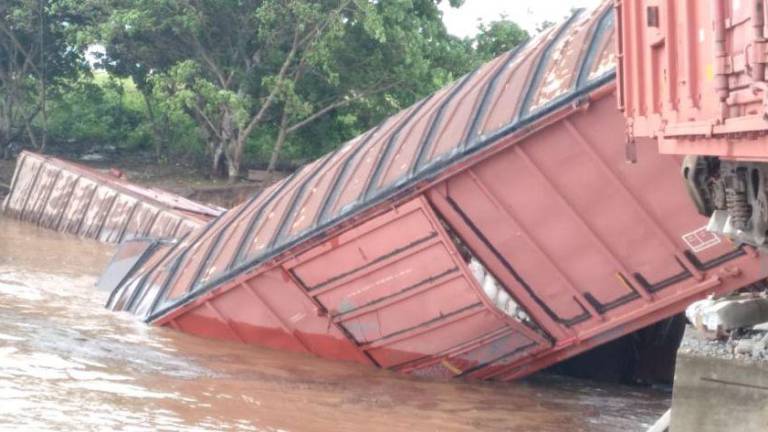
(407, 149)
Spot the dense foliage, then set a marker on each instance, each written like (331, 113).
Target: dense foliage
(234, 82)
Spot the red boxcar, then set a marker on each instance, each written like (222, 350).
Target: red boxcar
(488, 231)
(693, 76)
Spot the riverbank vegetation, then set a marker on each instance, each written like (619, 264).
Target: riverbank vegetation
(225, 84)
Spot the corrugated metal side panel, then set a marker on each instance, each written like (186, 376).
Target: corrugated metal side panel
(578, 239)
(70, 198)
(693, 75)
(391, 292)
(506, 94)
(532, 185)
(581, 238)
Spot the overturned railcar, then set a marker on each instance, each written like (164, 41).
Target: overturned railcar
(67, 197)
(487, 232)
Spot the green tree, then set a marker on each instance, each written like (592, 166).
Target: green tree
(387, 57)
(239, 67)
(498, 37)
(226, 62)
(41, 47)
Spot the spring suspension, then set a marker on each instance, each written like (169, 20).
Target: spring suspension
(738, 208)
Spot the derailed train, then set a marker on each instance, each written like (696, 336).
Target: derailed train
(71, 198)
(692, 76)
(488, 231)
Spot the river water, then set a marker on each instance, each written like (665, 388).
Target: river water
(67, 364)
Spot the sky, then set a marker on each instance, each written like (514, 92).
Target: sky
(527, 13)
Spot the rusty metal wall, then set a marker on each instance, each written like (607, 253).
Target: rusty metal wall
(70, 198)
(486, 232)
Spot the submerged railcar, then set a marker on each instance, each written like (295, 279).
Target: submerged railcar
(486, 232)
(67, 197)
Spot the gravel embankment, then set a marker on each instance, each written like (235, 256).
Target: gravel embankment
(749, 344)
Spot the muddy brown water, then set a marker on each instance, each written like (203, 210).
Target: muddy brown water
(66, 364)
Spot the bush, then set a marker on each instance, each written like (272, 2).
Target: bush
(102, 110)
(97, 112)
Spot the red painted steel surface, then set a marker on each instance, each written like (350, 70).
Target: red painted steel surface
(67, 197)
(585, 241)
(693, 75)
(489, 231)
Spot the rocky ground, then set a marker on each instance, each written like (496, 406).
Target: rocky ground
(744, 344)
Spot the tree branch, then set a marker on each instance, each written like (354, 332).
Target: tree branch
(26, 122)
(316, 115)
(320, 27)
(337, 104)
(199, 113)
(201, 50)
(273, 93)
(28, 55)
(211, 64)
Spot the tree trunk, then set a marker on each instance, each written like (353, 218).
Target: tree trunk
(157, 133)
(43, 85)
(218, 159)
(32, 139)
(5, 123)
(233, 143)
(233, 165)
(44, 136)
(5, 132)
(233, 150)
(44, 111)
(281, 136)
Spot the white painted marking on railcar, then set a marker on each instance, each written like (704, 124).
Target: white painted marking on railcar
(701, 239)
